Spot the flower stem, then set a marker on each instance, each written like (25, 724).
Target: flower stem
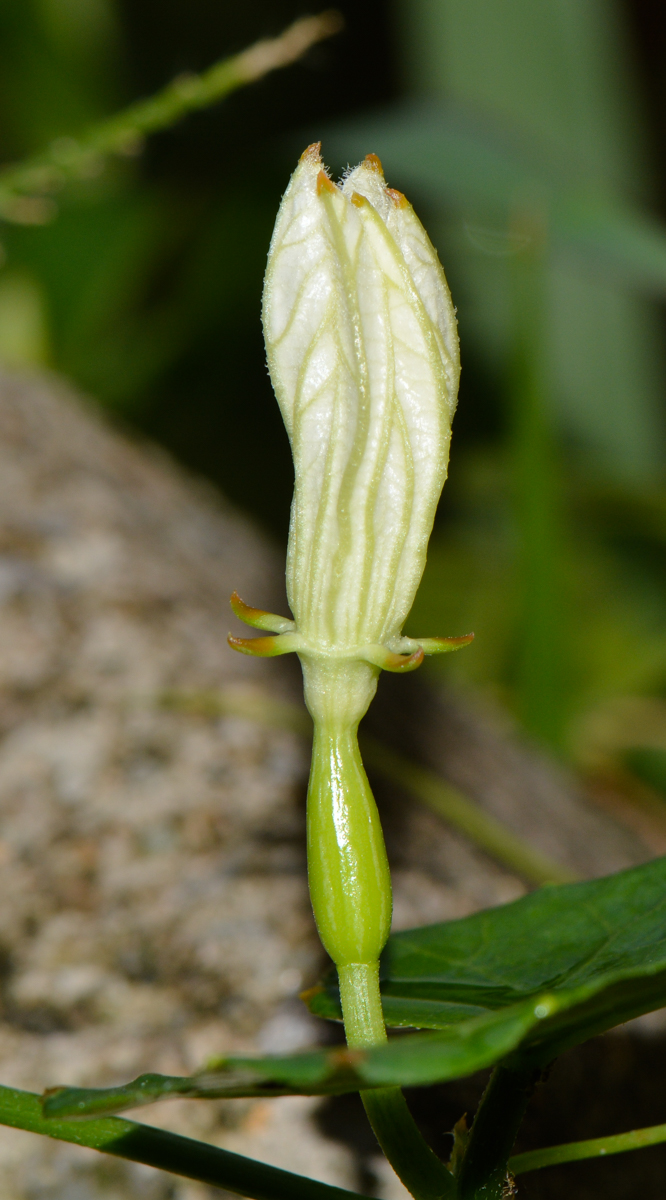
(419, 1168)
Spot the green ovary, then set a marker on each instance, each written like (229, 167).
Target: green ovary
(350, 884)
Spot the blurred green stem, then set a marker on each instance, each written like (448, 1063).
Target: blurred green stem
(540, 650)
(23, 186)
(617, 1143)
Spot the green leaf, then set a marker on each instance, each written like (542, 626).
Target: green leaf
(535, 977)
(168, 1151)
(417, 1059)
(597, 948)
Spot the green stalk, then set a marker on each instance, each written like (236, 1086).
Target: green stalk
(483, 1171)
(350, 882)
(350, 888)
(71, 158)
(541, 635)
(167, 1151)
(617, 1143)
(419, 1168)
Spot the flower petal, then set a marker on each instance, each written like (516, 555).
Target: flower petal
(362, 349)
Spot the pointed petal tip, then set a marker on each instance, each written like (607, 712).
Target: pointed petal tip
(312, 153)
(266, 647)
(325, 184)
(259, 618)
(397, 197)
(245, 612)
(358, 200)
(374, 162)
(404, 662)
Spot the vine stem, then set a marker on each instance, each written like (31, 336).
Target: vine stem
(419, 1168)
(484, 1168)
(617, 1143)
(23, 185)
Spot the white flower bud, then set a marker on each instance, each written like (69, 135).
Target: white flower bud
(363, 354)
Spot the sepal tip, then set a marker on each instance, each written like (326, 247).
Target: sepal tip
(258, 618)
(443, 645)
(266, 647)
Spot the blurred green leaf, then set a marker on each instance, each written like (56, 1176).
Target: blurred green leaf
(57, 64)
(135, 278)
(24, 333)
(516, 106)
(559, 71)
(611, 586)
(649, 764)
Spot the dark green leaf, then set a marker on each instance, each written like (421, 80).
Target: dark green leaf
(168, 1151)
(598, 948)
(535, 977)
(416, 1059)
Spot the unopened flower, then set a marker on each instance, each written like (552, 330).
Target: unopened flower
(363, 353)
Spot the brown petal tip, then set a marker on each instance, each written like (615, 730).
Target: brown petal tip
(324, 184)
(397, 197)
(373, 161)
(258, 647)
(312, 153)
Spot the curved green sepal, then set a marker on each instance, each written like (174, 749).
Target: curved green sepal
(382, 657)
(267, 647)
(260, 619)
(442, 645)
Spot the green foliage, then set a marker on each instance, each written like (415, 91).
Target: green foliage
(168, 1151)
(537, 105)
(598, 949)
(131, 280)
(529, 979)
(610, 598)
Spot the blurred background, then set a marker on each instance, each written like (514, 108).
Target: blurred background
(531, 138)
